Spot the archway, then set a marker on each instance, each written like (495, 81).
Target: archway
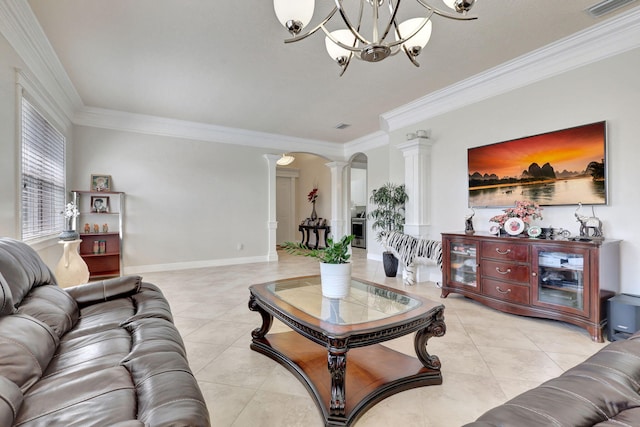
(294, 182)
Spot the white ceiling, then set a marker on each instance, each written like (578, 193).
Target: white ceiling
(225, 63)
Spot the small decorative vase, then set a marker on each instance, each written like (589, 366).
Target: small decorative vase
(335, 279)
(314, 215)
(390, 264)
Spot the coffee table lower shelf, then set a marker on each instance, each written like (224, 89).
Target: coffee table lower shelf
(373, 373)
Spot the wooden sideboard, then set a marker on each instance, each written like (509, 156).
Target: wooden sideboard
(563, 280)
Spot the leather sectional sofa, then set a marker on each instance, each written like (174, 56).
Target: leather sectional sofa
(602, 391)
(99, 354)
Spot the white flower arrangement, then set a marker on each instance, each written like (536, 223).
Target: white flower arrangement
(71, 211)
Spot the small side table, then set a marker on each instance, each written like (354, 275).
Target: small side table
(71, 269)
(306, 229)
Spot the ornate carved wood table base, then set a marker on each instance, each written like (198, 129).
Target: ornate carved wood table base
(334, 348)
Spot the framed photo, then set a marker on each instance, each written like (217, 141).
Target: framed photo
(100, 204)
(100, 182)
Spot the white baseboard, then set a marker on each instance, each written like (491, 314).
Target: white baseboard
(152, 268)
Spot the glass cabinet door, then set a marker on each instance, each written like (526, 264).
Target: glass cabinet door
(560, 279)
(464, 263)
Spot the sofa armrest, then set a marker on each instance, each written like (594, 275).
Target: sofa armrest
(104, 290)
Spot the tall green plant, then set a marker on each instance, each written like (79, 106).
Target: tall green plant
(388, 214)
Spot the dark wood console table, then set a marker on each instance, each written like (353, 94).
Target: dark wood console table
(329, 333)
(306, 231)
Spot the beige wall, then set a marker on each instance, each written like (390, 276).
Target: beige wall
(188, 203)
(9, 60)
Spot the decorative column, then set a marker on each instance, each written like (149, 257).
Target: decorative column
(272, 223)
(338, 223)
(417, 180)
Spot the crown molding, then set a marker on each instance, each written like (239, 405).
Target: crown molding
(23, 32)
(367, 142)
(609, 38)
(153, 125)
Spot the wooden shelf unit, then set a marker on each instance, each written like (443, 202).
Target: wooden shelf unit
(107, 262)
(563, 280)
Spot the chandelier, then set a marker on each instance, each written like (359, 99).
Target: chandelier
(388, 37)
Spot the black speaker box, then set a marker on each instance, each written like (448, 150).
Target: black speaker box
(624, 316)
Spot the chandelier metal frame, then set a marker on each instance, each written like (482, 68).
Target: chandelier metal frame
(377, 48)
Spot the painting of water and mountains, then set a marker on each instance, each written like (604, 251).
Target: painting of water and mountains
(564, 167)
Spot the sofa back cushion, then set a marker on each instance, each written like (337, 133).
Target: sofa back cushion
(26, 348)
(52, 305)
(22, 268)
(6, 300)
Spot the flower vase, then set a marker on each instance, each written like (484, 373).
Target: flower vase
(314, 215)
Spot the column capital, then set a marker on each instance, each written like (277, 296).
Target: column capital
(336, 165)
(414, 145)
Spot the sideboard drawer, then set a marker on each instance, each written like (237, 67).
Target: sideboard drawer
(506, 271)
(506, 291)
(505, 250)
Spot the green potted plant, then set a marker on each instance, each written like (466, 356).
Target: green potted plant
(388, 216)
(335, 268)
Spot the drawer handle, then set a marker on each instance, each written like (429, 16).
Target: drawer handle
(508, 251)
(503, 272)
(501, 291)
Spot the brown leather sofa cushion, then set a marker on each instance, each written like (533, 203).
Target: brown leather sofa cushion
(6, 300)
(53, 306)
(27, 345)
(98, 398)
(22, 268)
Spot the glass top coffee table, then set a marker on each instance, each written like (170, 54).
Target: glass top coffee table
(326, 329)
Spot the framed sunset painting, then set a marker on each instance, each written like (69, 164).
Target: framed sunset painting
(563, 167)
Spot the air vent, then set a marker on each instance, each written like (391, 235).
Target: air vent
(342, 126)
(606, 6)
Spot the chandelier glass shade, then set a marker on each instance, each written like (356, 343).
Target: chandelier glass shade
(387, 36)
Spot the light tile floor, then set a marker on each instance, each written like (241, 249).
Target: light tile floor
(487, 356)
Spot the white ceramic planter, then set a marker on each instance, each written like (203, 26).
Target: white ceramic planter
(335, 279)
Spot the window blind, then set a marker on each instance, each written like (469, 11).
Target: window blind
(43, 165)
